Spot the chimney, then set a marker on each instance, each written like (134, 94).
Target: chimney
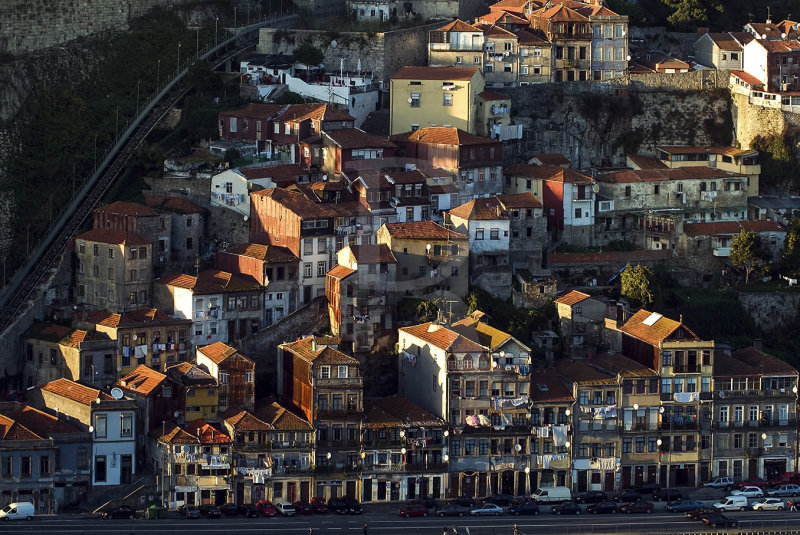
(758, 344)
(313, 344)
(680, 319)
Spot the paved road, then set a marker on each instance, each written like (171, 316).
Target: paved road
(388, 525)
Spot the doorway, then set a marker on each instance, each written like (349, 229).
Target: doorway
(125, 469)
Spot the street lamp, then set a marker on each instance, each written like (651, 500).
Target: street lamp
(178, 68)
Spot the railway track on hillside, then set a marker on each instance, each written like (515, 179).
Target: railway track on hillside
(47, 255)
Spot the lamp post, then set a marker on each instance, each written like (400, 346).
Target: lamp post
(178, 67)
(216, 24)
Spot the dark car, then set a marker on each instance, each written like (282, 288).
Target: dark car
(229, 509)
(593, 496)
(453, 509)
(701, 512)
(189, 511)
(210, 511)
(414, 510)
(667, 495)
(345, 506)
(628, 496)
(503, 500)
(266, 508)
(303, 508)
(648, 488)
(683, 506)
(249, 511)
(720, 521)
(318, 505)
(567, 508)
(123, 511)
(754, 482)
(600, 508)
(524, 509)
(637, 507)
(467, 502)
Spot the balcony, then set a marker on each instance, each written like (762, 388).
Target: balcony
(457, 47)
(288, 470)
(292, 444)
(679, 426)
(578, 197)
(426, 467)
(722, 251)
(500, 110)
(640, 427)
(242, 447)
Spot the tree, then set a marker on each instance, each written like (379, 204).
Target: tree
(689, 13)
(638, 283)
(791, 249)
(747, 253)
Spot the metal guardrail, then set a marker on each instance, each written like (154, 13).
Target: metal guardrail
(71, 217)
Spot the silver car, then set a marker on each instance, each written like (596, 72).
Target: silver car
(784, 491)
(769, 504)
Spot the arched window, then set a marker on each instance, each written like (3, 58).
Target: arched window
(451, 362)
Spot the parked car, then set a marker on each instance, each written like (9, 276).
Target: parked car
(414, 510)
(123, 511)
(209, 511)
(750, 492)
(719, 520)
(768, 504)
(600, 508)
(720, 483)
(467, 502)
(786, 477)
(637, 507)
(487, 509)
(345, 506)
(189, 511)
(567, 508)
(229, 509)
(783, 491)
(303, 508)
(593, 496)
(754, 482)
(732, 503)
(453, 509)
(701, 512)
(667, 495)
(249, 511)
(648, 488)
(628, 496)
(319, 505)
(524, 509)
(683, 506)
(503, 500)
(285, 508)
(266, 508)
(552, 495)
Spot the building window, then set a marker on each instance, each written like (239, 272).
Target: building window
(100, 426)
(110, 252)
(494, 234)
(25, 467)
(414, 100)
(223, 378)
(321, 269)
(307, 270)
(100, 469)
(478, 233)
(342, 372)
(126, 425)
(189, 244)
(447, 99)
(325, 372)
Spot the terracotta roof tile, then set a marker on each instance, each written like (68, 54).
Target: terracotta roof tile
(353, 138)
(622, 365)
(457, 26)
(547, 387)
(176, 435)
(373, 254)
(297, 202)
(532, 37)
(422, 230)
(561, 13)
(764, 363)
(747, 78)
(481, 209)
(443, 135)
(76, 392)
(723, 149)
(552, 158)
(340, 272)
(727, 366)
(490, 30)
(245, 421)
(142, 380)
(37, 422)
(127, 208)
(519, 200)
(725, 41)
(142, 316)
(731, 227)
(47, 331)
(219, 352)
(13, 430)
(283, 419)
(398, 411)
(435, 73)
(646, 162)
(578, 371)
(502, 18)
(189, 374)
(443, 338)
(491, 95)
(659, 329)
(210, 282)
(572, 297)
(178, 205)
(481, 332)
(115, 237)
(255, 111)
(323, 353)
(208, 434)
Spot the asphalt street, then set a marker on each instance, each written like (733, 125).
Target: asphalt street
(382, 524)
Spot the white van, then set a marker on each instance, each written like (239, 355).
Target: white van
(552, 495)
(732, 503)
(17, 511)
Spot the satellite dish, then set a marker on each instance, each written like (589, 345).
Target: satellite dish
(246, 217)
(176, 414)
(721, 394)
(325, 177)
(116, 393)
(410, 100)
(334, 44)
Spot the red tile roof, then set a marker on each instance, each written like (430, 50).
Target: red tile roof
(179, 205)
(561, 13)
(281, 418)
(684, 149)
(490, 30)
(659, 329)
(519, 200)
(717, 228)
(548, 387)
(764, 363)
(176, 435)
(190, 375)
(280, 174)
(340, 272)
(127, 208)
(13, 430)
(397, 411)
(724, 41)
(353, 138)
(646, 162)
(443, 135)
(457, 26)
(491, 95)
(245, 421)
(373, 254)
(304, 349)
(572, 297)
(578, 371)
(443, 338)
(142, 380)
(664, 175)
(115, 237)
(208, 434)
(39, 423)
(210, 282)
(552, 158)
(256, 111)
(47, 331)
(482, 209)
(503, 17)
(779, 47)
(727, 366)
(142, 316)
(297, 202)
(435, 73)
(531, 37)
(422, 230)
(270, 254)
(747, 78)
(76, 392)
(219, 352)
(622, 365)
